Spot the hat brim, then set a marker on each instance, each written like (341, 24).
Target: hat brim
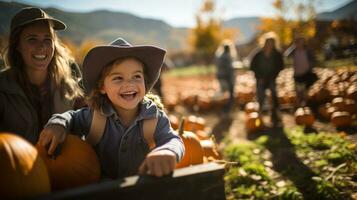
(57, 24)
(101, 56)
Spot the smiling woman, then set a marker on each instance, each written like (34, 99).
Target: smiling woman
(38, 81)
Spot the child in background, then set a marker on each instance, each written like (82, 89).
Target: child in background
(117, 78)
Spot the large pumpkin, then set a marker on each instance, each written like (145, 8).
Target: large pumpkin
(23, 173)
(193, 149)
(76, 165)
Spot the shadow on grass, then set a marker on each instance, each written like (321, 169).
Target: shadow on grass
(286, 162)
(222, 127)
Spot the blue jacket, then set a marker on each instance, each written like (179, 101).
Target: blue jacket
(121, 151)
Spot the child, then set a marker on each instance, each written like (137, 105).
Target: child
(117, 77)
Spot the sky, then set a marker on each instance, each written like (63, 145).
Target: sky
(177, 13)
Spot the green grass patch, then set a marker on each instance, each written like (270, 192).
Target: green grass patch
(195, 70)
(330, 156)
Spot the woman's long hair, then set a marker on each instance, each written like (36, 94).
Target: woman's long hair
(59, 68)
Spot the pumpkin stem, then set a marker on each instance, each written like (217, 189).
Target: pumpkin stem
(181, 126)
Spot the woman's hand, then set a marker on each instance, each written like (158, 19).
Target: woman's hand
(158, 163)
(51, 136)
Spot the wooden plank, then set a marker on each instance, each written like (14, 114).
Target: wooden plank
(196, 182)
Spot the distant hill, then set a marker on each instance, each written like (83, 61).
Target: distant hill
(247, 27)
(347, 11)
(106, 25)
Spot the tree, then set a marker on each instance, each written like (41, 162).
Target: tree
(292, 18)
(208, 33)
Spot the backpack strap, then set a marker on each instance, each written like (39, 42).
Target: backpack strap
(149, 127)
(97, 128)
(98, 125)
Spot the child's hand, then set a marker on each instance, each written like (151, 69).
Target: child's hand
(158, 163)
(52, 135)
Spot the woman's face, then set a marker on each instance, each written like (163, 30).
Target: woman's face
(36, 46)
(125, 84)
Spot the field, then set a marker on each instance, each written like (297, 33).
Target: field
(289, 162)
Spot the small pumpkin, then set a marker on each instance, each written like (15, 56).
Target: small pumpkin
(23, 172)
(194, 123)
(254, 122)
(304, 116)
(251, 107)
(202, 135)
(341, 119)
(193, 149)
(76, 165)
(210, 148)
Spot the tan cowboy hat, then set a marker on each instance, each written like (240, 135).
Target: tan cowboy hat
(100, 56)
(31, 14)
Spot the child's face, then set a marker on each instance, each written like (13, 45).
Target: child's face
(125, 84)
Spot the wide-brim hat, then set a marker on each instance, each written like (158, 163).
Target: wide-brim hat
(32, 14)
(100, 56)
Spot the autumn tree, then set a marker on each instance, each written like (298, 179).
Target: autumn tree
(80, 51)
(208, 32)
(292, 18)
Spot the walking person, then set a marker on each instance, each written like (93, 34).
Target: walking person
(266, 65)
(303, 63)
(225, 55)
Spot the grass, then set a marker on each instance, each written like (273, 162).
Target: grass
(325, 167)
(195, 70)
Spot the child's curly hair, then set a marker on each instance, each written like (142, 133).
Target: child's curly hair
(95, 98)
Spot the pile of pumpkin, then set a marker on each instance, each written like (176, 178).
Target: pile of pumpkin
(335, 94)
(204, 92)
(28, 171)
(199, 146)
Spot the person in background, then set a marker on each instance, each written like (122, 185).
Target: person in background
(303, 63)
(266, 65)
(37, 81)
(225, 55)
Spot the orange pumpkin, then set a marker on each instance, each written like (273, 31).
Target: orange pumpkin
(193, 149)
(323, 110)
(251, 107)
(210, 148)
(304, 116)
(341, 119)
(194, 123)
(202, 135)
(76, 165)
(254, 122)
(23, 172)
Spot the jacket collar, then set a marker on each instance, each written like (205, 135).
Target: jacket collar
(8, 83)
(148, 110)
